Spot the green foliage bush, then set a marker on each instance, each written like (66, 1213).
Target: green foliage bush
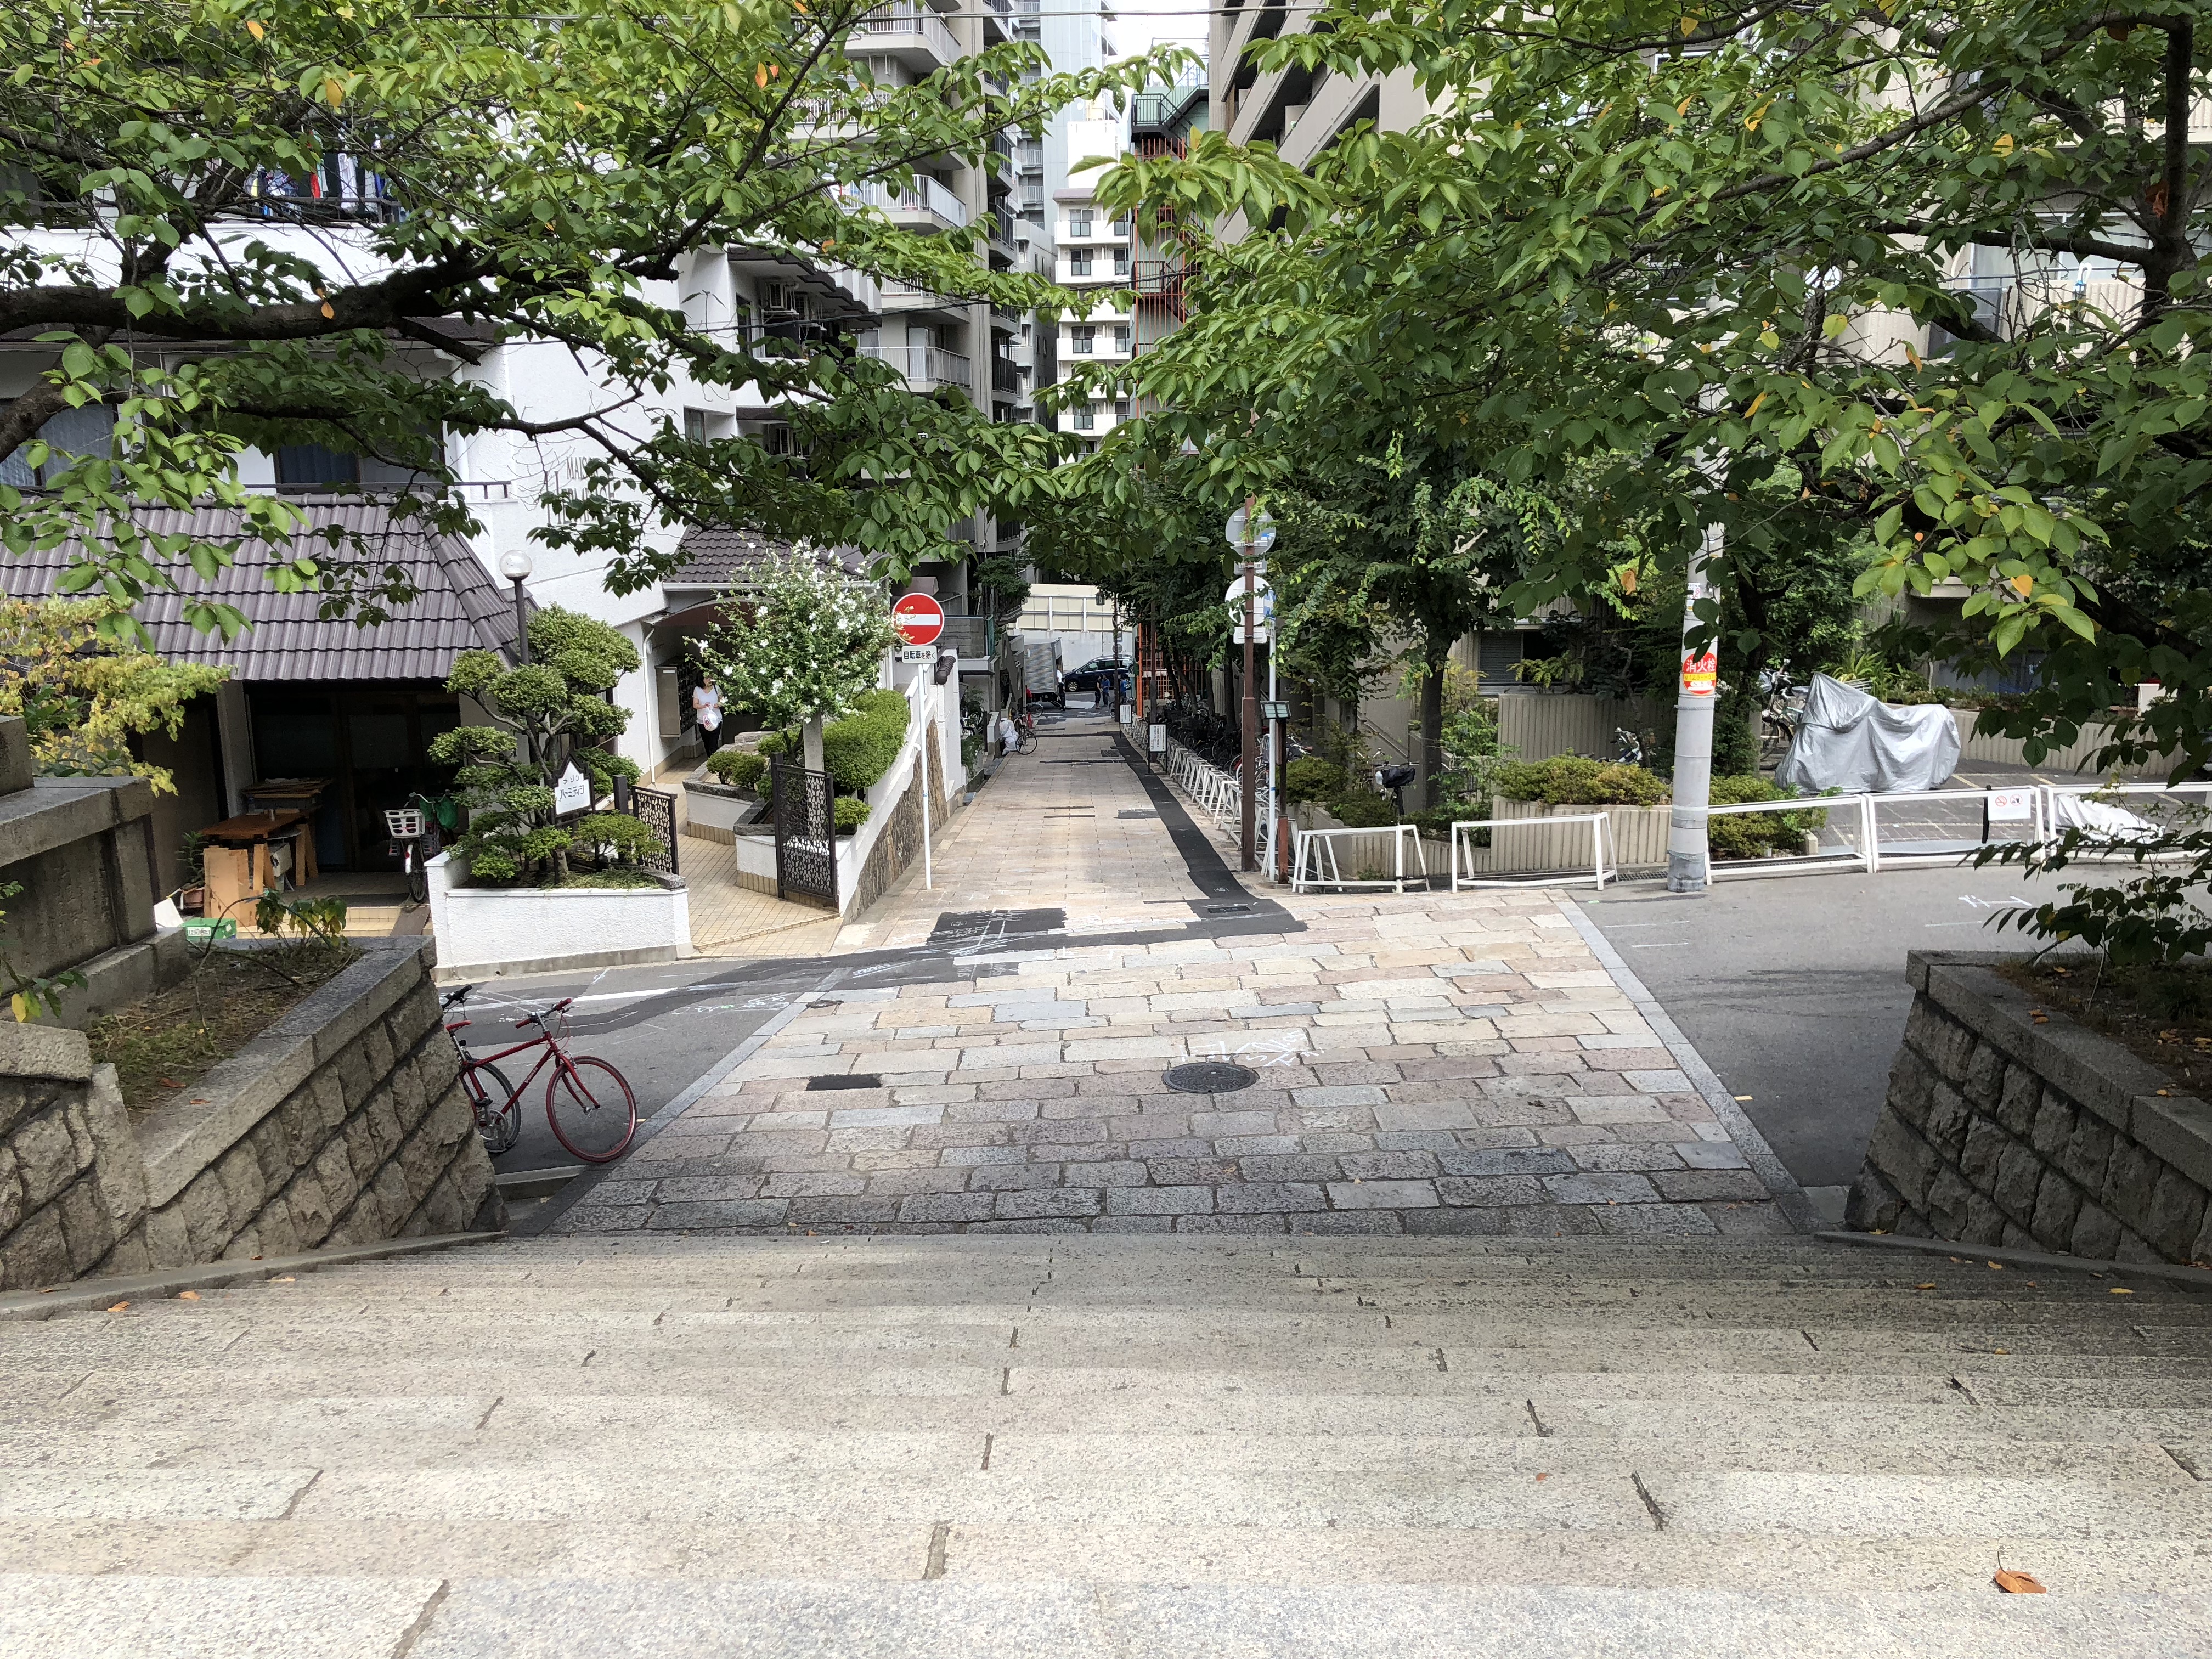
(1757, 835)
(1362, 809)
(1578, 780)
(737, 769)
(858, 750)
(1312, 777)
(851, 813)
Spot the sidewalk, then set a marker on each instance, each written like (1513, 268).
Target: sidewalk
(1424, 1064)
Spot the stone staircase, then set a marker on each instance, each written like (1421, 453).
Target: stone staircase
(969, 1448)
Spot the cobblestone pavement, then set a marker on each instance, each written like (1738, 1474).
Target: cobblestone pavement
(1426, 1063)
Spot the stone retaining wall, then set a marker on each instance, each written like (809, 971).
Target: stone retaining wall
(2001, 1129)
(343, 1123)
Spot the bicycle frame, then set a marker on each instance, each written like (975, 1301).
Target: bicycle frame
(544, 1039)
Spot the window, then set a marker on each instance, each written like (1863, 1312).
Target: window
(1122, 226)
(695, 425)
(1078, 263)
(1078, 226)
(316, 464)
(1121, 409)
(1121, 338)
(1085, 418)
(1120, 262)
(741, 321)
(71, 433)
(1085, 338)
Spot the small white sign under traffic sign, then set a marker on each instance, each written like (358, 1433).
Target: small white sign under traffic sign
(917, 654)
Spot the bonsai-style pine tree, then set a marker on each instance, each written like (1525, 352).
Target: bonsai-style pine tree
(550, 712)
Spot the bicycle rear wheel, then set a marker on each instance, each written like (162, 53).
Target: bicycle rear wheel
(499, 1117)
(591, 1110)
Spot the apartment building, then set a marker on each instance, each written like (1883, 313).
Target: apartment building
(1298, 111)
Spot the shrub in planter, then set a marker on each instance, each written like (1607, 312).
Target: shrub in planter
(1363, 810)
(612, 838)
(1435, 821)
(1578, 780)
(1311, 777)
(851, 813)
(858, 751)
(737, 769)
(1757, 835)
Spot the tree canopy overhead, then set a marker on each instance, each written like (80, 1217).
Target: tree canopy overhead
(265, 221)
(1684, 257)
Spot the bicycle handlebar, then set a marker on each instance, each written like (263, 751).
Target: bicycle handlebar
(454, 999)
(560, 1007)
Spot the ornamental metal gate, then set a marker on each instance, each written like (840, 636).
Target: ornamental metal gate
(805, 833)
(656, 809)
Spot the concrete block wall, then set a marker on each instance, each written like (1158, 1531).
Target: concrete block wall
(343, 1123)
(2000, 1128)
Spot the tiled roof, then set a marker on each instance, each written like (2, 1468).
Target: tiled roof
(459, 607)
(718, 557)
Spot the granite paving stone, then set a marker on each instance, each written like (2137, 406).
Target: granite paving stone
(1428, 1062)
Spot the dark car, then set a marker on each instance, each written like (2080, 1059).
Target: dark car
(1086, 677)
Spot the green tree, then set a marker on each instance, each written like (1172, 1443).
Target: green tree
(548, 712)
(1628, 239)
(268, 221)
(84, 694)
(807, 644)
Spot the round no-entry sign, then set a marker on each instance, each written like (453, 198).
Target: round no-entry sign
(919, 619)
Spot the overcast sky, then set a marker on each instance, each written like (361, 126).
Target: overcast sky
(1142, 23)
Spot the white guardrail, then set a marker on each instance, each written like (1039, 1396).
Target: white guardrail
(1317, 865)
(1602, 869)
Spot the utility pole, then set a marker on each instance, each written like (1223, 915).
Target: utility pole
(1249, 794)
(1689, 866)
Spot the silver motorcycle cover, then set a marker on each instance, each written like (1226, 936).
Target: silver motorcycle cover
(1849, 742)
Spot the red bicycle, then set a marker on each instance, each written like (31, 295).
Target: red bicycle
(588, 1104)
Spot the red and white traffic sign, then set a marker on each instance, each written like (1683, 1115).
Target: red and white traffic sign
(920, 618)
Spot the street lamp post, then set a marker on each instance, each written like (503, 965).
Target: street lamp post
(1252, 532)
(515, 566)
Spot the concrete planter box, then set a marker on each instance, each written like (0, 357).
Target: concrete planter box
(715, 812)
(483, 932)
(2000, 1130)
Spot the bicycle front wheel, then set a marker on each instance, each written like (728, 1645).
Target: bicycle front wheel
(591, 1111)
(499, 1119)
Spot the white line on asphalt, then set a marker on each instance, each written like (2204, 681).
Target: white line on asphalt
(1671, 945)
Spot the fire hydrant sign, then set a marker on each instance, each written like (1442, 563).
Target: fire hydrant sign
(919, 619)
(1700, 673)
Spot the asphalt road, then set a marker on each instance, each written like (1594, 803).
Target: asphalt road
(1793, 987)
(661, 1026)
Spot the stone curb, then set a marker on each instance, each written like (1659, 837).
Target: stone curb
(92, 1294)
(2173, 1272)
(1788, 1197)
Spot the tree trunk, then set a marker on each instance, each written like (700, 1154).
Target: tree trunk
(810, 746)
(1431, 759)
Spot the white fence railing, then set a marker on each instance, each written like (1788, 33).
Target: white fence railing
(1603, 870)
(1319, 864)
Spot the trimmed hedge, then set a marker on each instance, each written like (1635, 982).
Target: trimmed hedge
(1311, 778)
(736, 768)
(859, 749)
(851, 813)
(1758, 835)
(1578, 780)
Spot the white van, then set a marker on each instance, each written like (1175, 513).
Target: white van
(1041, 675)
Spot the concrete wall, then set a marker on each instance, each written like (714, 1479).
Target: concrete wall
(1999, 1129)
(343, 1123)
(83, 852)
(521, 930)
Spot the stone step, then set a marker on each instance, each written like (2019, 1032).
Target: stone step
(831, 1460)
(326, 1617)
(1606, 1499)
(564, 1422)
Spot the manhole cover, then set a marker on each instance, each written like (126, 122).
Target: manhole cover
(1228, 909)
(1211, 1077)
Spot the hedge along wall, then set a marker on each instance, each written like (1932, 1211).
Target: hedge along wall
(860, 748)
(2002, 1130)
(343, 1123)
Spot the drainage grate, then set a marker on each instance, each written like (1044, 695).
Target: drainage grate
(846, 1080)
(1228, 909)
(1211, 1077)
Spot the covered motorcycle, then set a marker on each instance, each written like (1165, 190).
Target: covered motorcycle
(1851, 742)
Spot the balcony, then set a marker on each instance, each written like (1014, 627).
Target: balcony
(1094, 229)
(998, 25)
(925, 366)
(999, 226)
(897, 297)
(1097, 271)
(928, 206)
(1006, 376)
(910, 33)
(1105, 344)
(2008, 306)
(1028, 156)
